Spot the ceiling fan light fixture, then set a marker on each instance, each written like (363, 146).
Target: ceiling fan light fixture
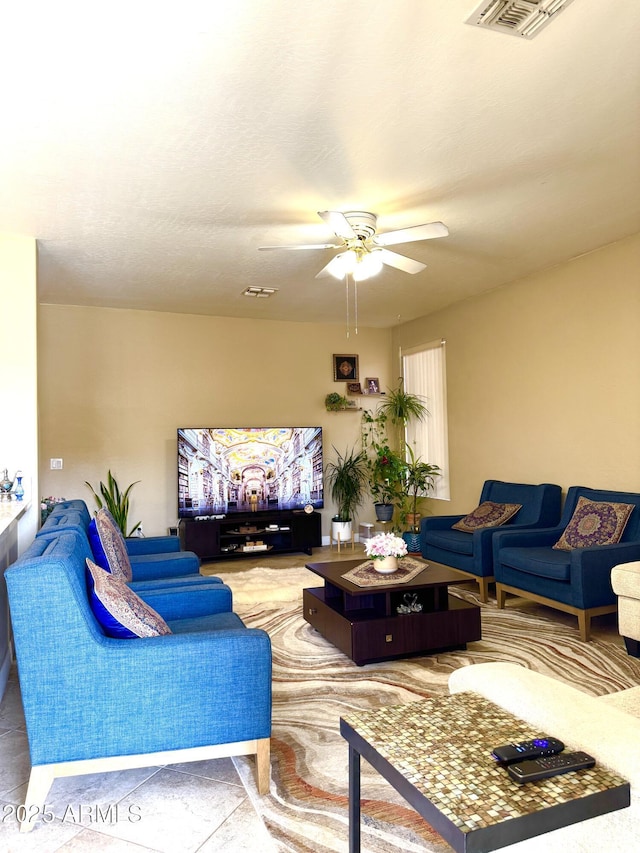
(342, 264)
(356, 262)
(369, 264)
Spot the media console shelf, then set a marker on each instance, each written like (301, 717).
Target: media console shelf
(240, 535)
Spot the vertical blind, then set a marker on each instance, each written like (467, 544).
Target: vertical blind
(423, 369)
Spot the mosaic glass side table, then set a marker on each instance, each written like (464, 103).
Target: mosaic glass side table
(437, 754)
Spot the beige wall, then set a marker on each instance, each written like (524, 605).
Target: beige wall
(19, 380)
(115, 385)
(544, 377)
(543, 385)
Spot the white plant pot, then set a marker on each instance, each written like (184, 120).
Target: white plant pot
(386, 565)
(341, 531)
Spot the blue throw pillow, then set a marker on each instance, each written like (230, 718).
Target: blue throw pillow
(108, 546)
(121, 613)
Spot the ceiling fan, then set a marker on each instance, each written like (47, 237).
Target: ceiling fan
(364, 249)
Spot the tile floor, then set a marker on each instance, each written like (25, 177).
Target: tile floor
(200, 807)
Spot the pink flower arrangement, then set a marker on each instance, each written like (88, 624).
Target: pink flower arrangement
(385, 545)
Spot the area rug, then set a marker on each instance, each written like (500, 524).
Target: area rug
(314, 684)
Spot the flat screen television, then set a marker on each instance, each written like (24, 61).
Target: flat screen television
(224, 470)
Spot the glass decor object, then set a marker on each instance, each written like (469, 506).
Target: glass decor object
(19, 489)
(5, 486)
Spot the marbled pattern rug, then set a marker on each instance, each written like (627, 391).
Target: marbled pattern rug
(314, 684)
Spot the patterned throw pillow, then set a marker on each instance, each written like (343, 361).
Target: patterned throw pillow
(108, 545)
(488, 514)
(594, 523)
(121, 613)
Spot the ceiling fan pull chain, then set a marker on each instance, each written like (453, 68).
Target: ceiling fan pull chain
(346, 279)
(355, 303)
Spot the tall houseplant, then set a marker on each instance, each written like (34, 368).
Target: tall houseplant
(387, 474)
(116, 501)
(347, 477)
(398, 408)
(382, 432)
(419, 480)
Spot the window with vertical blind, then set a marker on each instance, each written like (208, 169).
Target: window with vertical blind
(423, 369)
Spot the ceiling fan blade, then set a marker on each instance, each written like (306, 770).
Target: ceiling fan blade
(339, 223)
(408, 235)
(301, 246)
(400, 262)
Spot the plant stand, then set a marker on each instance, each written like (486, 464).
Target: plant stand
(339, 541)
(413, 541)
(365, 531)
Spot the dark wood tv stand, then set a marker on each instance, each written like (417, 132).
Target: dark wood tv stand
(228, 538)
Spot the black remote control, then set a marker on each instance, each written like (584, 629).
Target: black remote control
(550, 765)
(511, 752)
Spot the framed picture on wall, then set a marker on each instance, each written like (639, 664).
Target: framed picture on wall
(372, 384)
(354, 388)
(345, 368)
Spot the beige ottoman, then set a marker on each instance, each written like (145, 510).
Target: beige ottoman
(625, 580)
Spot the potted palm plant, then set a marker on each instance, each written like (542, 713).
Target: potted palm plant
(347, 477)
(398, 408)
(116, 501)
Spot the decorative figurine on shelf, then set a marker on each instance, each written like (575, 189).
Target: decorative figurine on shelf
(411, 604)
(19, 489)
(5, 486)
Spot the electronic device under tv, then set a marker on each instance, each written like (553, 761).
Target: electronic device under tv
(222, 471)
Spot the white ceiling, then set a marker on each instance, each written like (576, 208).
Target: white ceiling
(151, 156)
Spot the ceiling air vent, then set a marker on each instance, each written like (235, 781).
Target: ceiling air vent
(522, 18)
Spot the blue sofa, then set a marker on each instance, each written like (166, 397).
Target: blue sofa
(152, 558)
(471, 554)
(576, 581)
(93, 703)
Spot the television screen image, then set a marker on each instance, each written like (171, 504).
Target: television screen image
(251, 469)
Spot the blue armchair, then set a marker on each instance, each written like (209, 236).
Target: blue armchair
(471, 554)
(576, 581)
(93, 703)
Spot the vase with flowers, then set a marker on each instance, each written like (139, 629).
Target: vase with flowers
(385, 550)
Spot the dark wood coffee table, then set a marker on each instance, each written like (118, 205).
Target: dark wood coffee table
(363, 622)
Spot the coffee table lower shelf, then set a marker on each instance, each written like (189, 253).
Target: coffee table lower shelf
(366, 636)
